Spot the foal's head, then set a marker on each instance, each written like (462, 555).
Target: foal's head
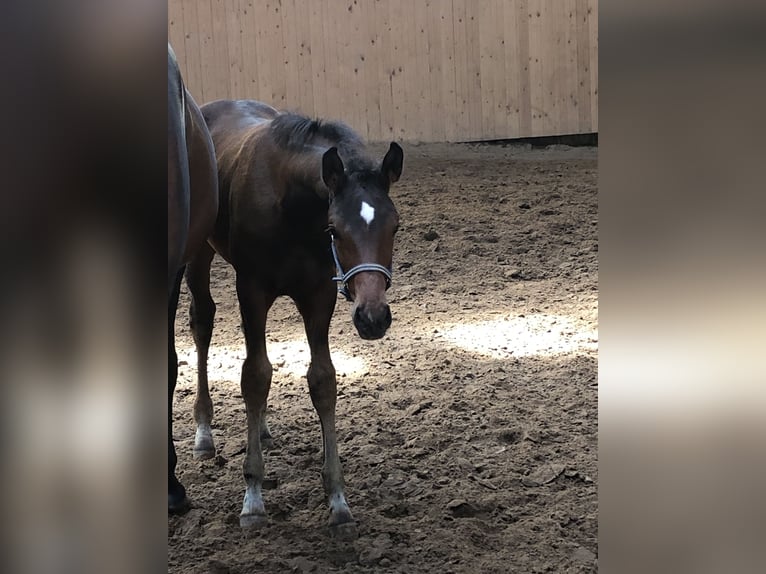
(363, 221)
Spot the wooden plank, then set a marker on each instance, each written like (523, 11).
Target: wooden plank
(318, 58)
(176, 32)
(582, 98)
(221, 59)
(593, 62)
(555, 74)
(287, 54)
(398, 69)
(462, 95)
(263, 48)
(568, 108)
(332, 67)
(368, 56)
(406, 62)
(536, 79)
(356, 104)
(446, 33)
(422, 88)
(512, 74)
(474, 131)
(381, 48)
(501, 107)
(304, 56)
(248, 31)
(548, 61)
(206, 50)
(523, 17)
(485, 19)
(192, 66)
(233, 15)
(277, 68)
(438, 109)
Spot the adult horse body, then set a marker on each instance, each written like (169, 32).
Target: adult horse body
(285, 181)
(192, 209)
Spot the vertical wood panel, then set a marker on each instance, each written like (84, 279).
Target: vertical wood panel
(233, 15)
(423, 109)
(368, 56)
(207, 49)
(486, 66)
(381, 41)
(318, 59)
(176, 31)
(500, 99)
(221, 86)
(523, 15)
(513, 75)
(583, 73)
(462, 97)
(288, 57)
(428, 70)
(192, 66)
(593, 62)
(354, 54)
(248, 26)
(445, 40)
(473, 71)
(536, 75)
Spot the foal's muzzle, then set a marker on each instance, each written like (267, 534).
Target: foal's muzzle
(372, 322)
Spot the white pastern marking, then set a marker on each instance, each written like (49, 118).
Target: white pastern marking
(367, 212)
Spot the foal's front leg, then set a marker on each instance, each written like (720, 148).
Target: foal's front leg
(256, 381)
(323, 390)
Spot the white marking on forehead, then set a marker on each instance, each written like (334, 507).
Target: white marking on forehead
(367, 212)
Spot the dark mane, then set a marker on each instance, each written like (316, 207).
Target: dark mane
(296, 132)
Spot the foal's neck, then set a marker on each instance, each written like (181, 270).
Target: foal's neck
(305, 168)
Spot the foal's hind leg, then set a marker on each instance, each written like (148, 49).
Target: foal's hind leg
(317, 311)
(254, 305)
(201, 315)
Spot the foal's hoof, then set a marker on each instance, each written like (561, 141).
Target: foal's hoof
(204, 447)
(345, 531)
(203, 453)
(253, 521)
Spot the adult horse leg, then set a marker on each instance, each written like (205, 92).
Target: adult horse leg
(254, 306)
(177, 501)
(201, 315)
(316, 311)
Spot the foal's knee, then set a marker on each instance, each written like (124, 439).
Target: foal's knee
(201, 317)
(256, 377)
(322, 383)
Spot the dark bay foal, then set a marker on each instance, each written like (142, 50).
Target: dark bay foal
(300, 202)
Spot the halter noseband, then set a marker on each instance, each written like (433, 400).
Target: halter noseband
(342, 279)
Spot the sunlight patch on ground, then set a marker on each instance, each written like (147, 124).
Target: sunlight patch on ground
(288, 359)
(539, 334)
(292, 358)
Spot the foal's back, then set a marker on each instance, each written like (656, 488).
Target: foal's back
(272, 218)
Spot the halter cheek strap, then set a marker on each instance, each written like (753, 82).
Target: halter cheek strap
(342, 278)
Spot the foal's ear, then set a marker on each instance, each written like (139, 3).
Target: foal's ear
(332, 170)
(392, 163)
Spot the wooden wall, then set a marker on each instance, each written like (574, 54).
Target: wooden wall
(414, 70)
